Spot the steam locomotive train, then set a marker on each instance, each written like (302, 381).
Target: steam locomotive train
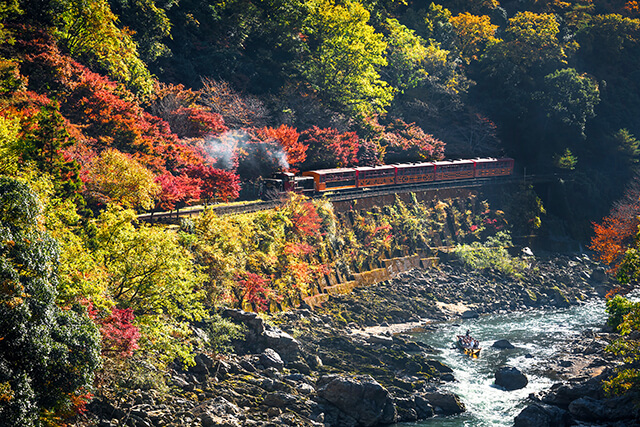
(324, 180)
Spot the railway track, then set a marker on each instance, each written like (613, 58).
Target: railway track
(354, 194)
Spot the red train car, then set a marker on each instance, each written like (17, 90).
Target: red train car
(376, 176)
(455, 169)
(415, 173)
(409, 173)
(493, 167)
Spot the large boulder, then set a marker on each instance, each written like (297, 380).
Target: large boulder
(470, 314)
(260, 336)
(613, 409)
(511, 378)
(445, 403)
(541, 415)
(361, 398)
(218, 412)
(271, 359)
(286, 346)
(503, 344)
(562, 394)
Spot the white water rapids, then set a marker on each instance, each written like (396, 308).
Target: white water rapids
(537, 335)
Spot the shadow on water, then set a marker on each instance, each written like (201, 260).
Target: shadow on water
(536, 335)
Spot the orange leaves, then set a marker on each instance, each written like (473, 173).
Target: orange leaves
(632, 9)
(611, 239)
(305, 219)
(288, 138)
(617, 232)
(298, 249)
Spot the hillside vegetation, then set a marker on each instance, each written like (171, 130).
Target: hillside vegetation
(111, 108)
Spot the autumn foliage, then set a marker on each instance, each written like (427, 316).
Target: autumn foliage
(215, 184)
(177, 190)
(255, 291)
(617, 231)
(408, 143)
(119, 334)
(288, 138)
(329, 148)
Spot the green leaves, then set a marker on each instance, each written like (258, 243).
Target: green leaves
(89, 31)
(46, 354)
(625, 316)
(344, 54)
(406, 53)
(150, 272)
(570, 97)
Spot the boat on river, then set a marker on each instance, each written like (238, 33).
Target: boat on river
(468, 345)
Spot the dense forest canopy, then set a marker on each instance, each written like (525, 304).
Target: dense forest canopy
(112, 107)
(550, 83)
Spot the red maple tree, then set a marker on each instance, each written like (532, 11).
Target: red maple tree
(329, 148)
(617, 231)
(408, 143)
(288, 138)
(177, 191)
(216, 184)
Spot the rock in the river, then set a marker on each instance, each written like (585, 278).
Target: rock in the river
(361, 398)
(502, 344)
(599, 275)
(470, 314)
(445, 403)
(541, 415)
(526, 252)
(511, 378)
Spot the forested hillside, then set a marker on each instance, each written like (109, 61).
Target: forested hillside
(181, 93)
(109, 108)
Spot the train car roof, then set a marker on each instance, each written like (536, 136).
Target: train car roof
(330, 171)
(484, 160)
(453, 162)
(492, 159)
(372, 168)
(414, 165)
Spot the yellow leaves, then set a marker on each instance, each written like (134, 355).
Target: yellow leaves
(538, 30)
(115, 177)
(6, 393)
(9, 149)
(12, 293)
(90, 30)
(473, 33)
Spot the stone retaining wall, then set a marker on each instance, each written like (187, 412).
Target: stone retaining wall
(333, 285)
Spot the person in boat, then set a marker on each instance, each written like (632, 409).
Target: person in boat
(468, 333)
(476, 343)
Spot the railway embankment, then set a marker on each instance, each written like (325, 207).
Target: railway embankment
(351, 361)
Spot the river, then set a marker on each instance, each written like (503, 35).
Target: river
(536, 335)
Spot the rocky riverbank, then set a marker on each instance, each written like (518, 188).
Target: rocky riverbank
(347, 363)
(578, 398)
